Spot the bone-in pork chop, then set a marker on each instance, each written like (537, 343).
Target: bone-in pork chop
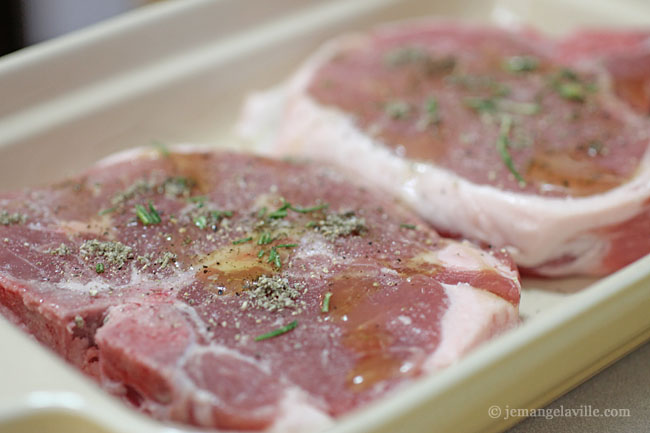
(481, 130)
(239, 292)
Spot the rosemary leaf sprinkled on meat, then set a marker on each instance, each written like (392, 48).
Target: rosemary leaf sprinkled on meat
(503, 143)
(147, 216)
(569, 85)
(406, 55)
(178, 186)
(242, 240)
(282, 211)
(309, 209)
(277, 332)
(137, 188)
(208, 218)
(107, 211)
(419, 57)
(431, 112)
(397, 109)
(172, 187)
(519, 64)
(326, 303)
(161, 147)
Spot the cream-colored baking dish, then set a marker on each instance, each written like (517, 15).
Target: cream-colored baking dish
(178, 71)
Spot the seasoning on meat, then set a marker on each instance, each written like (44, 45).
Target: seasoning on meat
(114, 253)
(7, 218)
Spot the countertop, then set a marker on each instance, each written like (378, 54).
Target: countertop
(623, 385)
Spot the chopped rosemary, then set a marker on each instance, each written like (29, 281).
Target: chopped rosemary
(242, 240)
(516, 107)
(265, 239)
(405, 55)
(221, 213)
(99, 268)
(431, 108)
(572, 91)
(309, 209)
(397, 109)
(204, 217)
(274, 257)
(277, 332)
(430, 115)
(107, 211)
(201, 221)
(568, 74)
(262, 212)
(326, 303)
(481, 105)
(147, 217)
(521, 64)
(414, 55)
(502, 146)
(282, 211)
(492, 105)
(407, 226)
(137, 188)
(479, 83)
(161, 148)
(177, 186)
(286, 246)
(198, 199)
(569, 85)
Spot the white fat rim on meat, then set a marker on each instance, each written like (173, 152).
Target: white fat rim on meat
(472, 317)
(535, 230)
(468, 257)
(150, 152)
(297, 415)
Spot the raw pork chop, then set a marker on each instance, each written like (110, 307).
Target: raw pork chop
(483, 133)
(239, 292)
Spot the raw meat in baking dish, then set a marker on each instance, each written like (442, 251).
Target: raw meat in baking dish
(239, 292)
(483, 132)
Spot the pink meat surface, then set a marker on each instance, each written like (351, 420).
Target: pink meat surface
(172, 315)
(625, 55)
(481, 130)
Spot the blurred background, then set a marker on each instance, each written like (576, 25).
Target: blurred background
(26, 22)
